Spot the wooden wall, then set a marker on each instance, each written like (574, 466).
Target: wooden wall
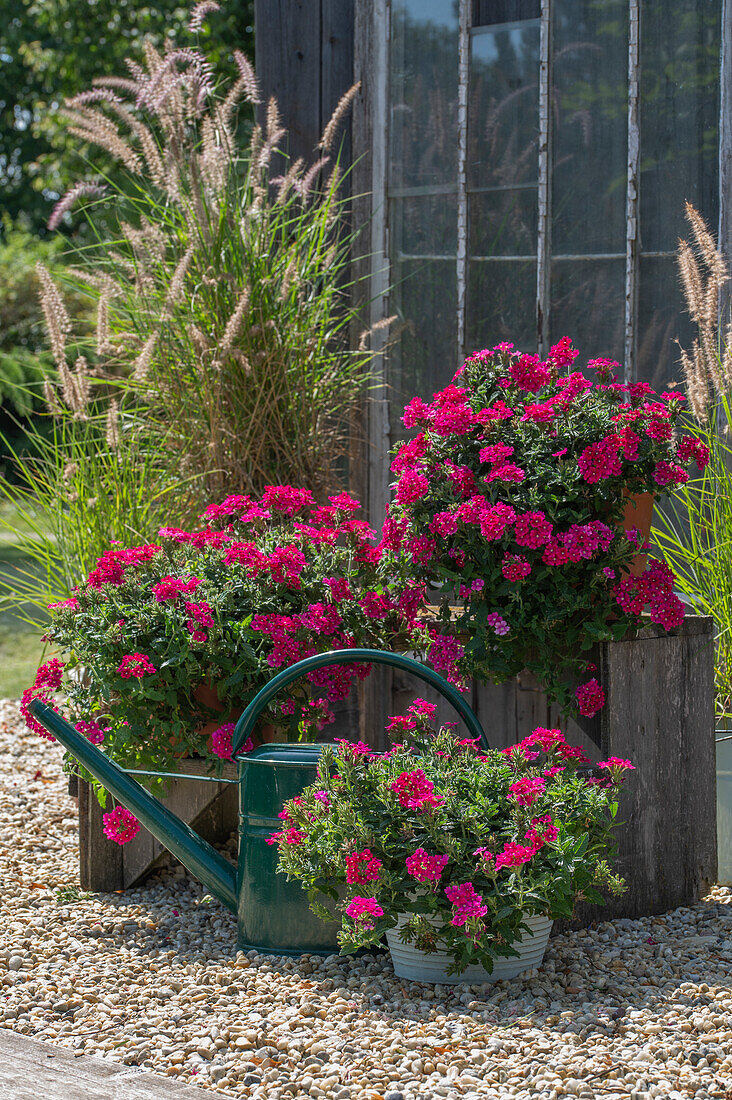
(304, 58)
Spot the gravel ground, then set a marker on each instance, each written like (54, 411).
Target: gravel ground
(151, 977)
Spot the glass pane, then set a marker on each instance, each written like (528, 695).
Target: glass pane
(679, 116)
(504, 11)
(425, 358)
(588, 304)
(424, 92)
(503, 107)
(662, 320)
(503, 223)
(423, 225)
(501, 304)
(590, 139)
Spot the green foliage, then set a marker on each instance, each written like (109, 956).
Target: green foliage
(512, 498)
(523, 853)
(52, 49)
(209, 616)
(695, 538)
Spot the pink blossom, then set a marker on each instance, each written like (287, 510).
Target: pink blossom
(287, 499)
(514, 854)
(362, 867)
(506, 471)
(600, 460)
(135, 664)
(424, 867)
(667, 473)
(170, 588)
(413, 485)
(415, 791)
(364, 912)
(526, 791)
(533, 529)
(495, 453)
(514, 567)
(92, 731)
(323, 798)
(530, 373)
(562, 354)
(416, 413)
(691, 449)
(590, 698)
(352, 750)
(499, 410)
(120, 825)
(497, 623)
(467, 904)
(616, 762)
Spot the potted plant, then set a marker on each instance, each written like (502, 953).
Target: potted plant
(461, 858)
(176, 637)
(517, 498)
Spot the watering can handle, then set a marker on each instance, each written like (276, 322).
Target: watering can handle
(248, 720)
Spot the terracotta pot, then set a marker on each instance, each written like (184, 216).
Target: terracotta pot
(638, 513)
(207, 695)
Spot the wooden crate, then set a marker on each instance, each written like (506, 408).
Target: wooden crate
(659, 714)
(209, 808)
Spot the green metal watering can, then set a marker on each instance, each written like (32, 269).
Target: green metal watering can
(273, 915)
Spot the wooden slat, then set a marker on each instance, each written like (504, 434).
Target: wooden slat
(336, 66)
(100, 859)
(288, 63)
(33, 1069)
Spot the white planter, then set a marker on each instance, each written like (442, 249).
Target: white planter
(419, 966)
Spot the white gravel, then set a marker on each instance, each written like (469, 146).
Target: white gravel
(151, 977)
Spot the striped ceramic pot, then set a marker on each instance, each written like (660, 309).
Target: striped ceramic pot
(419, 966)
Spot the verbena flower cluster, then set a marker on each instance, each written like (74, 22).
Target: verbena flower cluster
(263, 584)
(465, 842)
(515, 496)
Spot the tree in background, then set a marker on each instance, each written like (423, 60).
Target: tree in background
(52, 49)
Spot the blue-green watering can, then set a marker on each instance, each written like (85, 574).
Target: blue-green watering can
(273, 914)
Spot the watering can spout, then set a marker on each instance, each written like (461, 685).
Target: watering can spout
(216, 873)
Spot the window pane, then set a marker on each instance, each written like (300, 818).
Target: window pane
(662, 320)
(587, 304)
(590, 139)
(425, 358)
(424, 92)
(679, 116)
(502, 303)
(423, 225)
(504, 11)
(503, 223)
(503, 108)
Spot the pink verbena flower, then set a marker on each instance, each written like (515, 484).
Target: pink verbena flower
(507, 472)
(668, 473)
(590, 698)
(120, 825)
(362, 867)
(364, 912)
(526, 791)
(323, 798)
(466, 903)
(424, 867)
(514, 855)
(222, 741)
(496, 452)
(616, 762)
(514, 567)
(92, 731)
(562, 354)
(497, 623)
(601, 460)
(352, 750)
(415, 791)
(135, 664)
(530, 373)
(691, 449)
(533, 529)
(170, 588)
(413, 485)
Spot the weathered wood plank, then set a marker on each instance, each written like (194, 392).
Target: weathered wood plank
(336, 67)
(288, 62)
(33, 1069)
(100, 859)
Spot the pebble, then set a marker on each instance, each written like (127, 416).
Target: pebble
(151, 978)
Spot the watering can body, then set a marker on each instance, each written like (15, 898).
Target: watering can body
(273, 915)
